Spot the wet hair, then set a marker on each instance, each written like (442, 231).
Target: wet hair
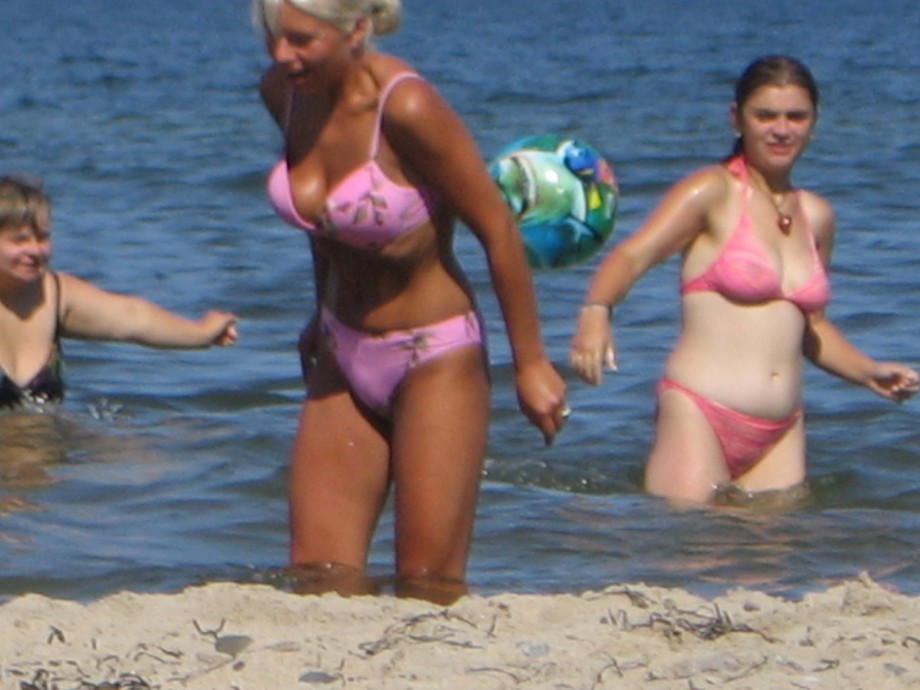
(773, 70)
(385, 15)
(22, 202)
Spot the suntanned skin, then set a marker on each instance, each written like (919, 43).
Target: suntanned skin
(431, 449)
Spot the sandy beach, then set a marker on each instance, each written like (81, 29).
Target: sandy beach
(856, 634)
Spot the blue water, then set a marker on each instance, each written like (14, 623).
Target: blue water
(164, 469)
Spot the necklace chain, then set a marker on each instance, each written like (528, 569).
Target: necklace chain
(783, 219)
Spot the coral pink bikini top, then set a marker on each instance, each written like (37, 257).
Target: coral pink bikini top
(742, 273)
(366, 209)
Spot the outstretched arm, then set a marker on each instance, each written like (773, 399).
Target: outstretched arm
(91, 313)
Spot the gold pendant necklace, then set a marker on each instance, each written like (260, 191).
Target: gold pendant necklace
(783, 220)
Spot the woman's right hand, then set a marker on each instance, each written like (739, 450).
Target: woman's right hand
(592, 346)
(220, 327)
(541, 397)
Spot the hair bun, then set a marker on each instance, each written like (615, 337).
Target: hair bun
(386, 16)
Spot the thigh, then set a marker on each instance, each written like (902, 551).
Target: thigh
(686, 461)
(441, 416)
(782, 466)
(339, 474)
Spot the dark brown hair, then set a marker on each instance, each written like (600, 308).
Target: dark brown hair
(773, 70)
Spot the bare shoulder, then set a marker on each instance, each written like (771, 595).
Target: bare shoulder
(411, 101)
(70, 288)
(75, 290)
(820, 214)
(820, 218)
(705, 187)
(417, 121)
(68, 281)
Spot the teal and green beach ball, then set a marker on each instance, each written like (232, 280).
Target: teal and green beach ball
(562, 192)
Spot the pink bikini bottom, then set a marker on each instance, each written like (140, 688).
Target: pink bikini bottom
(744, 439)
(375, 364)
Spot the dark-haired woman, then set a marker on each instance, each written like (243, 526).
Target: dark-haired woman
(754, 286)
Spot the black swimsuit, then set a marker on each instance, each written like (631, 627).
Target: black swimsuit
(48, 384)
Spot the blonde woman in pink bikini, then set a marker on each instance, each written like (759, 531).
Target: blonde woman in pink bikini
(376, 169)
(754, 287)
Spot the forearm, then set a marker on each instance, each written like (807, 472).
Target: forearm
(540, 389)
(517, 300)
(149, 324)
(612, 281)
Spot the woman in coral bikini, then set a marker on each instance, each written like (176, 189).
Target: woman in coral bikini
(376, 169)
(754, 286)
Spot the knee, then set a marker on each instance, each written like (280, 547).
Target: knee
(680, 492)
(431, 587)
(683, 481)
(321, 577)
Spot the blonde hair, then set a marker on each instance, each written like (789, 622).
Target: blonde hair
(384, 15)
(22, 202)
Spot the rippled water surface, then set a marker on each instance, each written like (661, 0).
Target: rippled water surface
(164, 469)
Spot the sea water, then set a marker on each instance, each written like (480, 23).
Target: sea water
(164, 469)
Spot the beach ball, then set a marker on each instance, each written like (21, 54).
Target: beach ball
(562, 192)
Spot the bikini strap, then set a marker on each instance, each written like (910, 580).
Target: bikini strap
(57, 306)
(384, 94)
(737, 167)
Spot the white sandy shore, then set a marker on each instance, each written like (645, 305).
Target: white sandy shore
(254, 637)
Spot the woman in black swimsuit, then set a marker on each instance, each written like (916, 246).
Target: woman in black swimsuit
(38, 306)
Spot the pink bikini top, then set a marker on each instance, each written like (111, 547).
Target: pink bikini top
(366, 209)
(742, 273)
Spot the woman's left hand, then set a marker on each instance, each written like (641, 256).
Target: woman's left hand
(893, 381)
(541, 396)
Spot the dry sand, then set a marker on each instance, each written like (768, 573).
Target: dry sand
(254, 637)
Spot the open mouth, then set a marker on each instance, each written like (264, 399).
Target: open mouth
(299, 76)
